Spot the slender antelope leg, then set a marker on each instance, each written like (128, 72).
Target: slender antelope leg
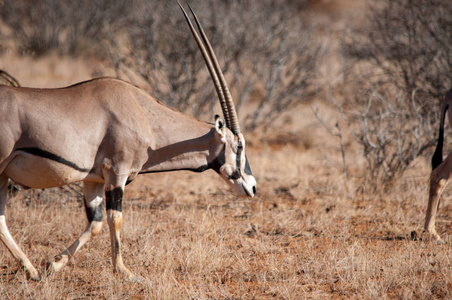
(6, 237)
(113, 200)
(114, 217)
(438, 181)
(93, 193)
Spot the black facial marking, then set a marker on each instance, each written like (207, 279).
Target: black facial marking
(238, 161)
(219, 161)
(54, 157)
(94, 214)
(247, 167)
(113, 199)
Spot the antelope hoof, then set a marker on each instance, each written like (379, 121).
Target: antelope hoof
(131, 277)
(440, 241)
(58, 264)
(128, 275)
(32, 272)
(433, 236)
(35, 275)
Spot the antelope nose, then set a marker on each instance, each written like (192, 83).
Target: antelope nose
(254, 190)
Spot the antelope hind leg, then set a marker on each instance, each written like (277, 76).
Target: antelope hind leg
(438, 181)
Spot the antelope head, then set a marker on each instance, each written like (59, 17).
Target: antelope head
(232, 164)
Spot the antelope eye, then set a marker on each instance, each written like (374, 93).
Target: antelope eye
(238, 147)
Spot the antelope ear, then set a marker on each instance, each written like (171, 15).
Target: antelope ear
(220, 128)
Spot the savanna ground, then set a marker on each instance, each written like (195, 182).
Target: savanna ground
(311, 232)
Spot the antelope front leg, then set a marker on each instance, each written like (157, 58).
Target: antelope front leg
(6, 237)
(113, 200)
(93, 193)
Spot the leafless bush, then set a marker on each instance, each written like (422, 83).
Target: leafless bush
(68, 27)
(393, 128)
(401, 69)
(409, 42)
(266, 52)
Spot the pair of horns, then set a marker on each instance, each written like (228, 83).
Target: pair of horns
(221, 87)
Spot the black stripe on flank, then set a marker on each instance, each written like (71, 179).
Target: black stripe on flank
(54, 157)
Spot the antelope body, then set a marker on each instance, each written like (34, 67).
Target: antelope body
(441, 172)
(105, 132)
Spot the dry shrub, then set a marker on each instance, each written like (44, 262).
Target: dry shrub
(267, 53)
(67, 27)
(408, 43)
(400, 62)
(393, 129)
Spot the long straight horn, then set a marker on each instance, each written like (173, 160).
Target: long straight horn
(211, 69)
(229, 102)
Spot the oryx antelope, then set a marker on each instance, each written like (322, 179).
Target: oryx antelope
(441, 172)
(104, 132)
